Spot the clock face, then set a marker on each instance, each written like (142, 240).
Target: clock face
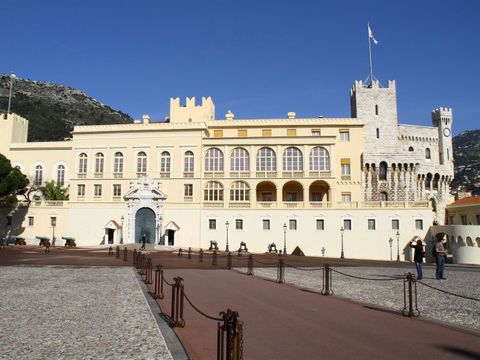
(446, 132)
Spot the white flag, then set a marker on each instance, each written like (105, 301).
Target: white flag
(370, 35)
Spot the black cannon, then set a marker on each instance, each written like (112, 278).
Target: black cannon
(19, 240)
(44, 241)
(243, 247)
(69, 241)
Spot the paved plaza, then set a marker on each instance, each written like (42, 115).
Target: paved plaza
(57, 312)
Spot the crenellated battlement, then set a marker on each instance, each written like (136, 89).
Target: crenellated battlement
(442, 111)
(190, 112)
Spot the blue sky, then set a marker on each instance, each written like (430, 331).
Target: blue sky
(259, 59)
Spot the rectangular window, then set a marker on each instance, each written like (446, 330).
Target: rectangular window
(292, 224)
(117, 190)
(320, 224)
(395, 224)
(97, 190)
(81, 190)
(347, 224)
(291, 132)
(464, 219)
(238, 224)
(451, 220)
(345, 166)
(242, 133)
(188, 189)
(212, 224)
(218, 133)
(371, 224)
(344, 135)
(378, 133)
(9, 220)
(316, 132)
(266, 224)
(478, 219)
(346, 197)
(266, 132)
(419, 224)
(31, 221)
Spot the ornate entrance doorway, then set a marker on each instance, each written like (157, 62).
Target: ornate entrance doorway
(145, 225)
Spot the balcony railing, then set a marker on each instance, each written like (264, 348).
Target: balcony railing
(292, 174)
(188, 174)
(383, 204)
(188, 198)
(319, 174)
(216, 174)
(82, 175)
(98, 175)
(320, 204)
(240, 174)
(266, 174)
(117, 198)
(118, 175)
(346, 177)
(213, 204)
(239, 204)
(293, 204)
(165, 175)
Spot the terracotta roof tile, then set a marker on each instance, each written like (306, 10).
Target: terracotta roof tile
(467, 201)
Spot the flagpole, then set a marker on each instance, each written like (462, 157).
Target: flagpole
(370, 55)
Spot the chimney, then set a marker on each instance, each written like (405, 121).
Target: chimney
(292, 115)
(229, 115)
(146, 119)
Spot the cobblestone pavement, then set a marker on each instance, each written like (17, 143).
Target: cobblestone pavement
(54, 312)
(432, 303)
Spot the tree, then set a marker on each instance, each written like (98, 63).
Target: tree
(52, 191)
(12, 182)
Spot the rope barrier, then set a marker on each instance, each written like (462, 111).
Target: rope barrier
(264, 263)
(448, 292)
(200, 311)
(303, 269)
(166, 282)
(365, 278)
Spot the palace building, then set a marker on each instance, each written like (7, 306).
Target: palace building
(356, 184)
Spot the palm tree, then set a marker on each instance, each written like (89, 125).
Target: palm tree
(52, 191)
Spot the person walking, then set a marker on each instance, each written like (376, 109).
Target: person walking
(144, 240)
(441, 255)
(418, 256)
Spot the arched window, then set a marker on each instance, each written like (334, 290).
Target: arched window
(213, 191)
(292, 159)
(240, 191)
(99, 162)
(382, 171)
(61, 175)
(214, 160)
(38, 180)
(428, 182)
(319, 159)
(410, 148)
(239, 160)
(141, 162)
(82, 163)
(427, 154)
(266, 160)
(383, 196)
(188, 165)
(436, 178)
(165, 162)
(118, 163)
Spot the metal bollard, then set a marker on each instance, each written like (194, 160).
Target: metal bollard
(117, 252)
(280, 272)
(327, 281)
(110, 251)
(411, 288)
(229, 261)
(180, 252)
(134, 257)
(250, 265)
(158, 294)
(125, 254)
(229, 336)
(189, 253)
(200, 256)
(214, 257)
(177, 303)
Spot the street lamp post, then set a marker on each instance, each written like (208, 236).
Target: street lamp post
(342, 255)
(398, 245)
(53, 222)
(390, 242)
(226, 227)
(121, 232)
(285, 239)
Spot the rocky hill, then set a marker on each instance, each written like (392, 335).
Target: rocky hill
(53, 110)
(466, 151)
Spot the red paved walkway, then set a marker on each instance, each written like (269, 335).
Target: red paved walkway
(282, 322)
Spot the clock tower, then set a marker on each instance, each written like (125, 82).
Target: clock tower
(442, 119)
